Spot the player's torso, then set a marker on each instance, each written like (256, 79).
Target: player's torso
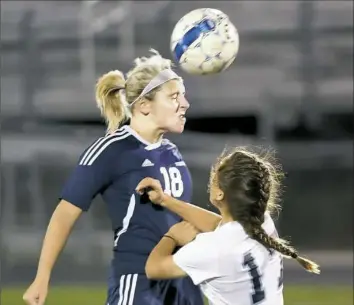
(249, 273)
(166, 165)
(258, 280)
(138, 224)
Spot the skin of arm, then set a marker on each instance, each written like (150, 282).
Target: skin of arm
(58, 231)
(202, 219)
(160, 264)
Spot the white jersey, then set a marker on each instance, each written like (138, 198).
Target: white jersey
(233, 269)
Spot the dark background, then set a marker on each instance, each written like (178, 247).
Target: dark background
(290, 88)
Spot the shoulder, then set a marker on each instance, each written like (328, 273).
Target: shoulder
(202, 249)
(168, 145)
(106, 147)
(166, 141)
(208, 241)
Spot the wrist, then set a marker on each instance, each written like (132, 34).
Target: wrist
(170, 237)
(171, 234)
(164, 200)
(43, 276)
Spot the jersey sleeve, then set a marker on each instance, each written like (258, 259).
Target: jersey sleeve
(199, 259)
(95, 170)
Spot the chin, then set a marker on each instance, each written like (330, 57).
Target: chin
(176, 129)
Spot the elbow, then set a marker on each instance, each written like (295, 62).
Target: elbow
(155, 269)
(150, 271)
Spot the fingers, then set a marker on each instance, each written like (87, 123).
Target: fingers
(29, 301)
(192, 229)
(26, 299)
(188, 226)
(145, 184)
(41, 301)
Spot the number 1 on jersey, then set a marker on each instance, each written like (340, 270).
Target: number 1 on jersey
(173, 181)
(259, 294)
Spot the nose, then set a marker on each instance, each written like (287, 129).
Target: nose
(184, 102)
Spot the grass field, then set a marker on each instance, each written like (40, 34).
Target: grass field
(294, 295)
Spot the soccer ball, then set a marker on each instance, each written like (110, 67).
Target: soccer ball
(204, 41)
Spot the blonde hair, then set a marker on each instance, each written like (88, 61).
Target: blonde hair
(114, 93)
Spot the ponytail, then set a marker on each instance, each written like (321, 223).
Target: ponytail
(110, 99)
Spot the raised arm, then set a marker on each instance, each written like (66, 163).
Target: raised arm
(203, 220)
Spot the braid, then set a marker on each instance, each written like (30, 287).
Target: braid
(265, 184)
(250, 185)
(269, 242)
(253, 225)
(262, 237)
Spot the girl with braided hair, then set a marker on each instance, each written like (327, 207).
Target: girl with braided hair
(238, 259)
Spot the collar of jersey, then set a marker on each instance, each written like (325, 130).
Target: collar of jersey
(149, 146)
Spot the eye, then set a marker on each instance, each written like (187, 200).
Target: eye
(175, 97)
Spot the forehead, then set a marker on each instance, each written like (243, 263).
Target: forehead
(173, 86)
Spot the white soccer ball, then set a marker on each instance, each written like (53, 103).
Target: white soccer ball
(204, 41)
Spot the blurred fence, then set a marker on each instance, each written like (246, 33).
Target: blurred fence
(295, 56)
(294, 68)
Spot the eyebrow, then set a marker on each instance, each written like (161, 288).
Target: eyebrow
(174, 93)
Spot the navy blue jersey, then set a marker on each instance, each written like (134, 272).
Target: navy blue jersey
(113, 166)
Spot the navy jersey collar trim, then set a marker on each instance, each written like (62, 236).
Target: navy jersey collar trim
(149, 146)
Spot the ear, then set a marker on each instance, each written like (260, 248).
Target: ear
(145, 106)
(220, 195)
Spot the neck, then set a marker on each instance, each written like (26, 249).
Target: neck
(225, 216)
(146, 130)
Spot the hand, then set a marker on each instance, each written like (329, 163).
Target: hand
(183, 233)
(36, 293)
(153, 189)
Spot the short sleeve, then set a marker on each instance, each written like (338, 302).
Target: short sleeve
(199, 259)
(94, 172)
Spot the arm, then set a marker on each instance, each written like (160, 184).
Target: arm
(81, 188)
(160, 264)
(58, 231)
(198, 258)
(86, 181)
(202, 219)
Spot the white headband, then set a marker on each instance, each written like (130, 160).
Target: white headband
(163, 77)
